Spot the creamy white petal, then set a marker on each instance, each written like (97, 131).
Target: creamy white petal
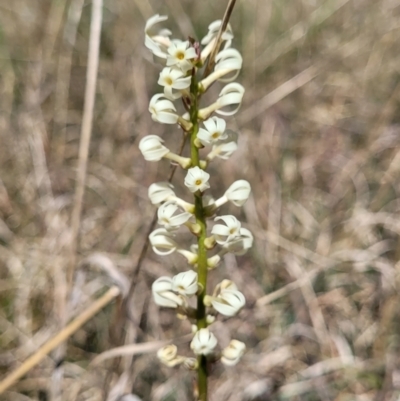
(185, 283)
(162, 242)
(232, 353)
(203, 342)
(197, 179)
(152, 148)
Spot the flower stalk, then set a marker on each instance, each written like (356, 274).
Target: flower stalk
(180, 81)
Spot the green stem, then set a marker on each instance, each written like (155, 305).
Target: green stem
(202, 251)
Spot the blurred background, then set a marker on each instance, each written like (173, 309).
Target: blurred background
(319, 143)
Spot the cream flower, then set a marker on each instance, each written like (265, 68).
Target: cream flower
(162, 242)
(215, 131)
(168, 355)
(211, 37)
(213, 29)
(185, 283)
(157, 43)
(226, 233)
(223, 150)
(160, 192)
(163, 294)
(163, 110)
(173, 81)
(197, 179)
(237, 193)
(203, 342)
(229, 302)
(168, 219)
(241, 244)
(179, 55)
(231, 94)
(152, 148)
(232, 353)
(227, 61)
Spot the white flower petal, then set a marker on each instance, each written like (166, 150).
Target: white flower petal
(230, 94)
(160, 192)
(232, 353)
(152, 148)
(203, 342)
(185, 283)
(163, 295)
(197, 179)
(162, 110)
(162, 242)
(229, 302)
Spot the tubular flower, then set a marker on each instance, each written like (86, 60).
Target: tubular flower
(231, 94)
(211, 37)
(224, 285)
(197, 179)
(158, 43)
(213, 29)
(233, 352)
(168, 355)
(228, 60)
(162, 242)
(166, 216)
(163, 294)
(237, 193)
(229, 302)
(215, 131)
(203, 342)
(226, 233)
(162, 110)
(152, 148)
(223, 150)
(173, 81)
(160, 192)
(179, 55)
(241, 244)
(185, 283)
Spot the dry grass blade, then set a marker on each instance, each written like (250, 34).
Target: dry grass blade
(86, 129)
(63, 335)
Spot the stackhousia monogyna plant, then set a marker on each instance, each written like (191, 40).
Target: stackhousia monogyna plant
(190, 68)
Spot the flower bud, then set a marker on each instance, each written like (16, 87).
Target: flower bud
(203, 342)
(232, 353)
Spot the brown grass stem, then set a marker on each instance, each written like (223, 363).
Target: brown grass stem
(86, 129)
(222, 29)
(59, 338)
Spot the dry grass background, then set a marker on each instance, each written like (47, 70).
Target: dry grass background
(319, 141)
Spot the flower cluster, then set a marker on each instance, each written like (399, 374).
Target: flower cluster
(183, 63)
